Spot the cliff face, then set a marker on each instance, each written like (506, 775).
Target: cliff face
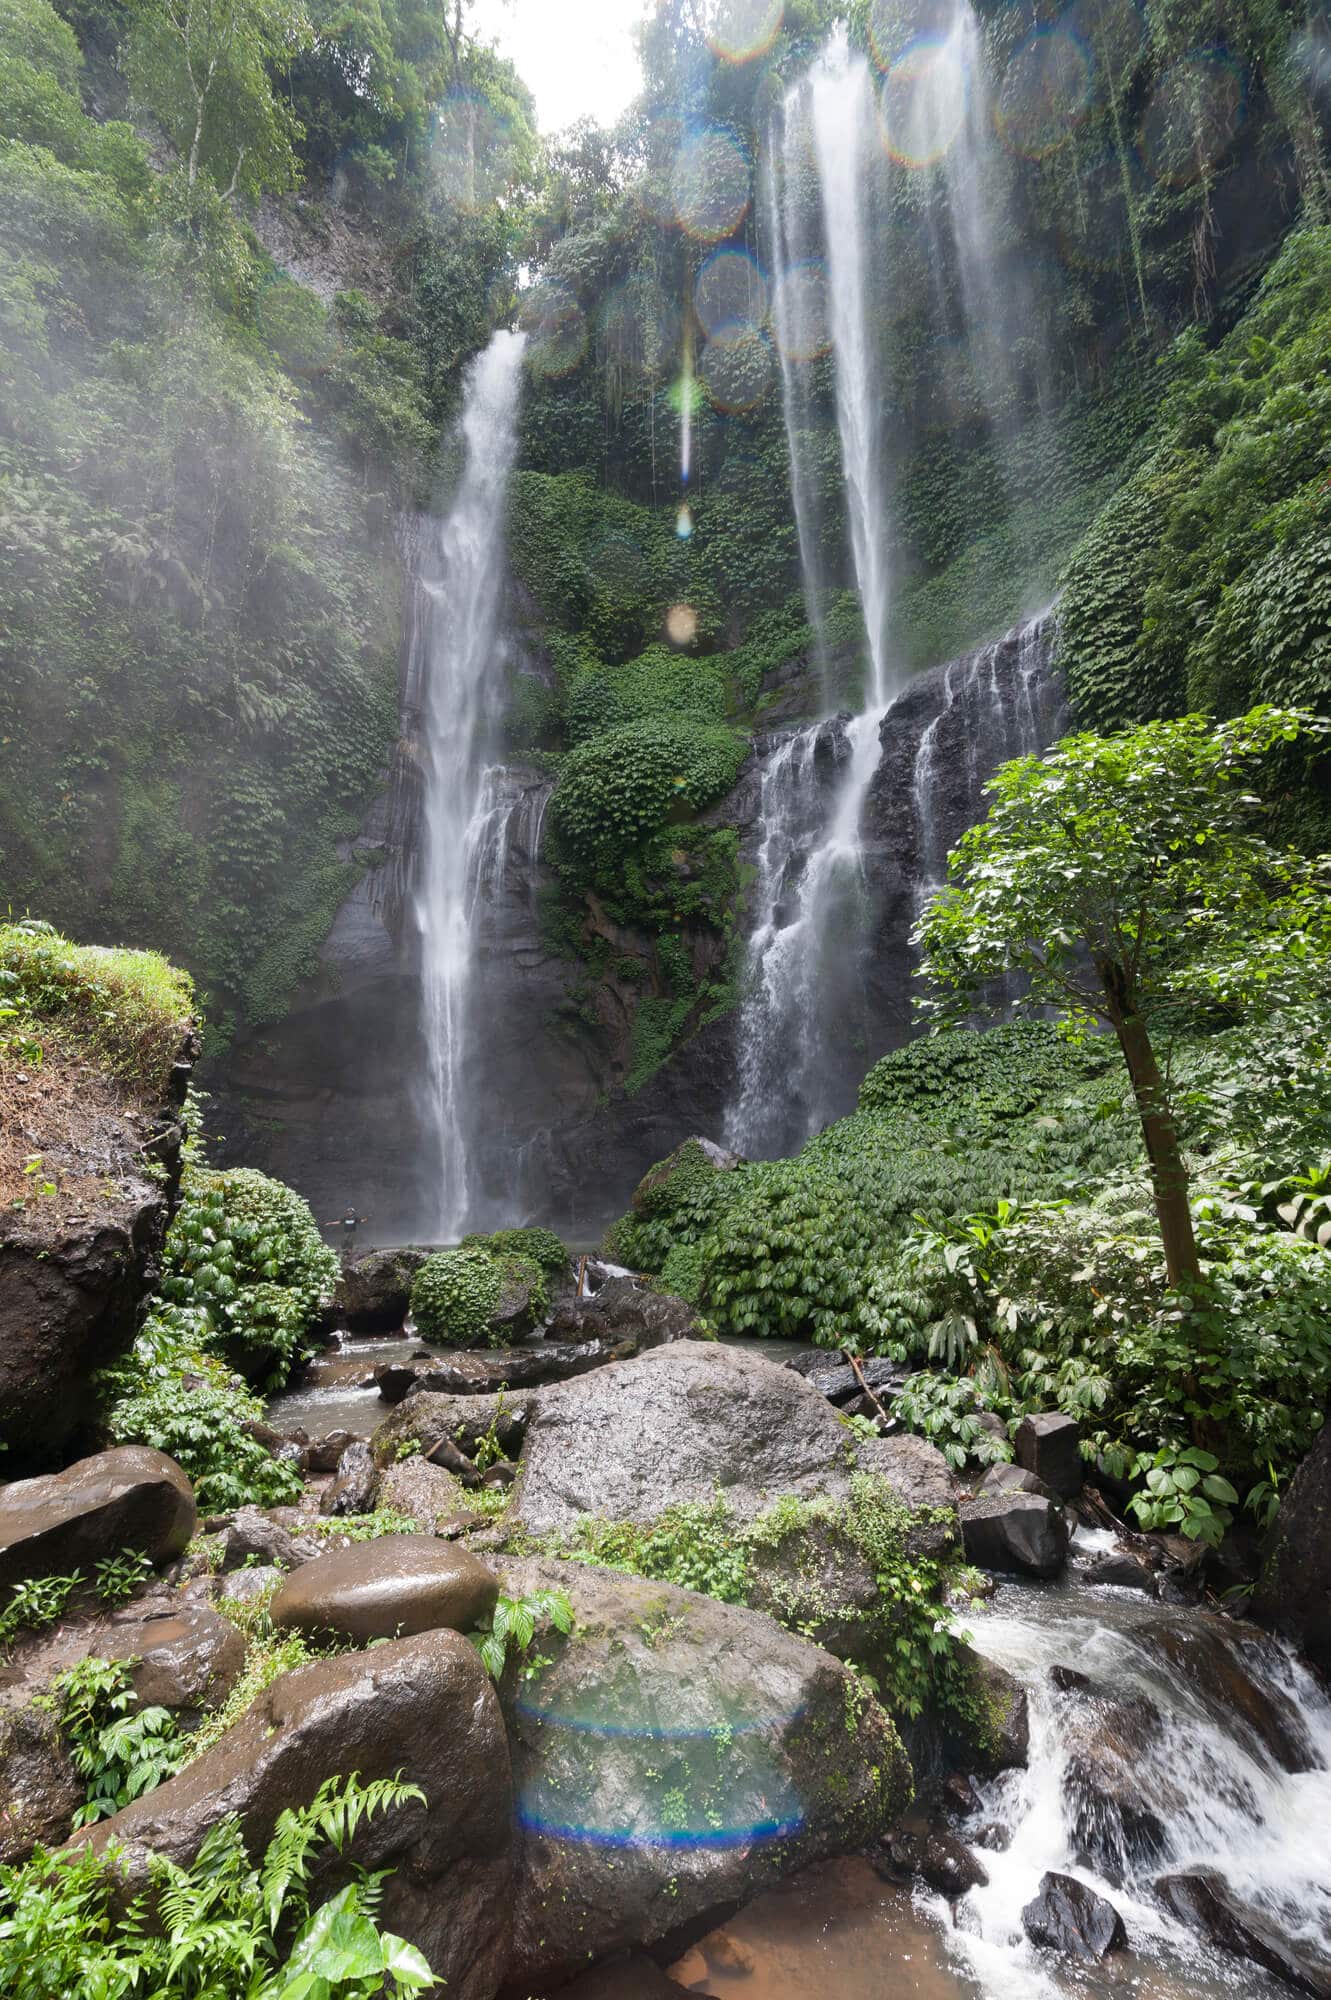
(332, 1099)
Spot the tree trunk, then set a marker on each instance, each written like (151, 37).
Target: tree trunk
(1169, 1175)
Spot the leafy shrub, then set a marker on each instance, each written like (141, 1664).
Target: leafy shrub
(542, 1246)
(225, 1924)
(171, 1394)
(120, 1747)
(247, 1251)
(674, 1204)
(520, 1278)
(961, 1076)
(619, 788)
(512, 1624)
(454, 1294)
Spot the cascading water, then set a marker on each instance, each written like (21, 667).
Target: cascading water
(455, 637)
(781, 1025)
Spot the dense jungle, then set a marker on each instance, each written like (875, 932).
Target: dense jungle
(665, 999)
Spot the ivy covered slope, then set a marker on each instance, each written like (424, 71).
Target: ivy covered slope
(200, 460)
(1206, 582)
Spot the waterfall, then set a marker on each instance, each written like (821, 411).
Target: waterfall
(454, 644)
(783, 1021)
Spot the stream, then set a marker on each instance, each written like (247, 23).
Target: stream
(1199, 1766)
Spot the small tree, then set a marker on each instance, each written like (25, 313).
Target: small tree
(1125, 880)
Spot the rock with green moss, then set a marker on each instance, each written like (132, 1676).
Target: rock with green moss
(673, 1754)
(454, 1294)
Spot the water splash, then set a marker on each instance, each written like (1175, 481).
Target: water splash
(453, 651)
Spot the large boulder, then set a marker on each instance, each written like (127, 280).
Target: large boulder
(1049, 1445)
(421, 1706)
(479, 1372)
(40, 1791)
(1117, 1793)
(130, 1498)
(682, 1422)
(624, 1310)
(187, 1656)
(1066, 1916)
(373, 1290)
(1240, 1677)
(353, 1487)
(425, 1494)
(673, 1756)
(375, 1590)
(1015, 1531)
(1205, 1901)
(1294, 1594)
(426, 1421)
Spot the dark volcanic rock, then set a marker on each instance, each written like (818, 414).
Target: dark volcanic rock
(252, 1536)
(936, 1857)
(187, 1655)
(375, 1590)
(483, 1371)
(996, 1734)
(129, 1498)
(322, 1454)
(425, 1494)
(1112, 1784)
(678, 1754)
(374, 1290)
(421, 1706)
(1294, 1594)
(1205, 1901)
(456, 1422)
(624, 1310)
(40, 1791)
(1237, 1672)
(1067, 1916)
(682, 1421)
(1013, 1479)
(1049, 1446)
(1015, 1531)
(352, 1490)
(1124, 1571)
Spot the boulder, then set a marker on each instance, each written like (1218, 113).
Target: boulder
(425, 1494)
(1123, 1571)
(481, 1371)
(1015, 1531)
(40, 1791)
(624, 1310)
(1066, 1916)
(681, 1423)
(129, 1498)
(322, 1454)
(352, 1490)
(937, 1857)
(1294, 1594)
(1204, 1901)
(188, 1656)
(252, 1536)
(1050, 1446)
(1013, 1479)
(374, 1590)
(422, 1706)
(1240, 1676)
(429, 1420)
(994, 1734)
(374, 1290)
(1116, 1792)
(676, 1754)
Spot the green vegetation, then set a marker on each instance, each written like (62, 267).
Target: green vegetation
(511, 1626)
(226, 1924)
(1123, 880)
(539, 1246)
(129, 1012)
(122, 1748)
(454, 1294)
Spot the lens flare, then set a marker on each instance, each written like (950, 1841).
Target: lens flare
(922, 102)
(681, 623)
(638, 329)
(556, 330)
(730, 287)
(736, 367)
(743, 29)
(895, 24)
(471, 151)
(1045, 92)
(1192, 117)
(684, 523)
(710, 184)
(799, 315)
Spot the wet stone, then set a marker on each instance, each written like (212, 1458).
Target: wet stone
(1050, 1446)
(1069, 1917)
(376, 1590)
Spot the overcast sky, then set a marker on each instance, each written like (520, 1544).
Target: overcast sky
(575, 56)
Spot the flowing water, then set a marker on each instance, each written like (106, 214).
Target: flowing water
(1142, 1763)
(454, 653)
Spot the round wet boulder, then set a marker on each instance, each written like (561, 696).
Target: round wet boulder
(129, 1498)
(399, 1584)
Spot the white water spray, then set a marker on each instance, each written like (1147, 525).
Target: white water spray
(454, 646)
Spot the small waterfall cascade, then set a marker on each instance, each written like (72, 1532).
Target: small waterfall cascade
(455, 640)
(1163, 1741)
